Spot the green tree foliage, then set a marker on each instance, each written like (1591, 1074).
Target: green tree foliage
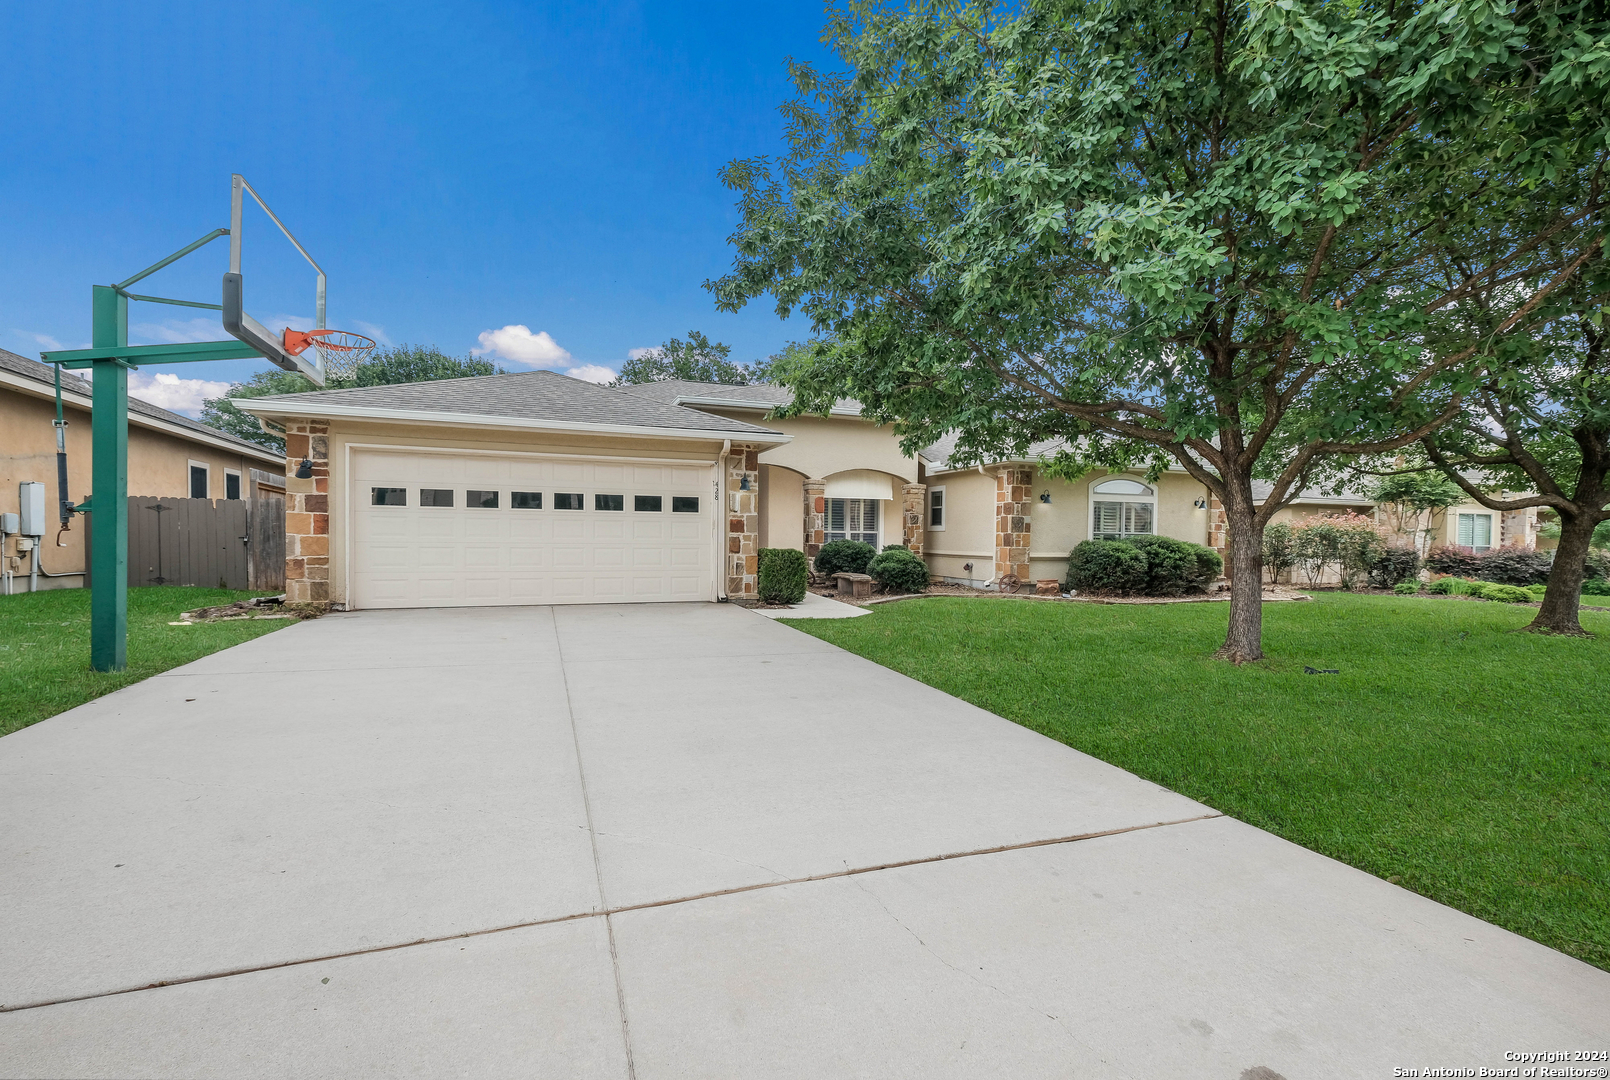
(394, 364)
(1199, 233)
(697, 359)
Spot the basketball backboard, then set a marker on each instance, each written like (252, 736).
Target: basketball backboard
(239, 324)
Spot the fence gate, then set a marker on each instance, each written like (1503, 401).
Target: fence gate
(216, 543)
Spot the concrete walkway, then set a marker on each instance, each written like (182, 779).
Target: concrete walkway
(681, 841)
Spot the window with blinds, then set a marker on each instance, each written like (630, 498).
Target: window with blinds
(1112, 520)
(1475, 531)
(852, 519)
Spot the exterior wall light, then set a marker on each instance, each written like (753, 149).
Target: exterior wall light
(1045, 496)
(304, 471)
(1200, 504)
(743, 485)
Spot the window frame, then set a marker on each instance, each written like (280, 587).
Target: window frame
(513, 505)
(452, 494)
(1093, 496)
(659, 504)
(190, 479)
(240, 484)
(580, 496)
(1458, 529)
(375, 489)
(600, 508)
(497, 498)
(830, 534)
(683, 510)
(930, 526)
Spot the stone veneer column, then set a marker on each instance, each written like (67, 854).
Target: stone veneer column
(307, 513)
(815, 516)
(1013, 493)
(743, 524)
(1219, 530)
(915, 503)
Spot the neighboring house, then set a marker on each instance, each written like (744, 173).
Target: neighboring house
(170, 456)
(537, 488)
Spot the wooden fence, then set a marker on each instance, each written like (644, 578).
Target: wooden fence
(218, 543)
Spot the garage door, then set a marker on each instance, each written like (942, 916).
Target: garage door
(450, 530)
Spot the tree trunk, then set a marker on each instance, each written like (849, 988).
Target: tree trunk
(1243, 640)
(1559, 613)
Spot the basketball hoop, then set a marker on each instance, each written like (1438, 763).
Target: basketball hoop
(341, 352)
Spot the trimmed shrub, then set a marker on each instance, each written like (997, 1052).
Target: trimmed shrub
(1442, 586)
(844, 557)
(1279, 549)
(894, 547)
(1395, 566)
(1536, 592)
(1406, 588)
(1174, 566)
(1107, 566)
(1596, 587)
(1516, 566)
(1504, 594)
(783, 574)
(899, 569)
(1458, 561)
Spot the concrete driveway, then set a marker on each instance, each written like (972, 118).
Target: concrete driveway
(682, 841)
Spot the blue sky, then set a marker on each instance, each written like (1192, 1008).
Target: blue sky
(457, 168)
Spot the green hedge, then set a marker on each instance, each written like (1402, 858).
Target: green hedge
(899, 569)
(844, 557)
(1142, 565)
(783, 576)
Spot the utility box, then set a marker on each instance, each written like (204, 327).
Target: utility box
(31, 499)
(10, 524)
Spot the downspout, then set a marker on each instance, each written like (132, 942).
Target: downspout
(721, 517)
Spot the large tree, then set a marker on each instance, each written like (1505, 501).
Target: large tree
(1541, 426)
(393, 364)
(697, 359)
(1198, 233)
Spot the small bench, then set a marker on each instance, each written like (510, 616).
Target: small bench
(855, 586)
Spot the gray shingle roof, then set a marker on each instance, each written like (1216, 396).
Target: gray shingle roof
(70, 383)
(526, 395)
(764, 394)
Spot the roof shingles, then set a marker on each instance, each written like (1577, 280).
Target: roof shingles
(527, 395)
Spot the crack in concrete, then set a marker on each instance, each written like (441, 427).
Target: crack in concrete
(607, 912)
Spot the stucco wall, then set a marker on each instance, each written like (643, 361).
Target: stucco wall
(824, 445)
(969, 533)
(347, 433)
(159, 465)
(782, 512)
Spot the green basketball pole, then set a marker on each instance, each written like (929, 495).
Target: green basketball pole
(109, 569)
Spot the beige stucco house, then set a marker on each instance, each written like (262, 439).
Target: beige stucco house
(536, 488)
(170, 456)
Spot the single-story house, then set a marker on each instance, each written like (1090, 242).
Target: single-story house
(536, 488)
(170, 456)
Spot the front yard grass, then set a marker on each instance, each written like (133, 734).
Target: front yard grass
(44, 645)
(1466, 762)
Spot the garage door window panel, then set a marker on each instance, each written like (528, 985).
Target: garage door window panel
(435, 496)
(609, 502)
(567, 500)
(525, 500)
(646, 504)
(684, 504)
(481, 500)
(388, 496)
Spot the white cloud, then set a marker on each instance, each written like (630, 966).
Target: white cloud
(45, 341)
(518, 343)
(593, 373)
(173, 393)
(638, 354)
(370, 330)
(175, 331)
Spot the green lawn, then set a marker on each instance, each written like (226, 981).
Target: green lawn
(44, 645)
(1469, 763)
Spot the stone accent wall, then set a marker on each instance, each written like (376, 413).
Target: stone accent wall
(1218, 529)
(914, 500)
(815, 516)
(307, 513)
(743, 524)
(1014, 495)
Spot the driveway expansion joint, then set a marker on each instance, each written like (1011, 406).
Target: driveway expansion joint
(607, 912)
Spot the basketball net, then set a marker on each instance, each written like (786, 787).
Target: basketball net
(341, 352)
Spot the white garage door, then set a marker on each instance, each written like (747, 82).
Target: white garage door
(450, 530)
